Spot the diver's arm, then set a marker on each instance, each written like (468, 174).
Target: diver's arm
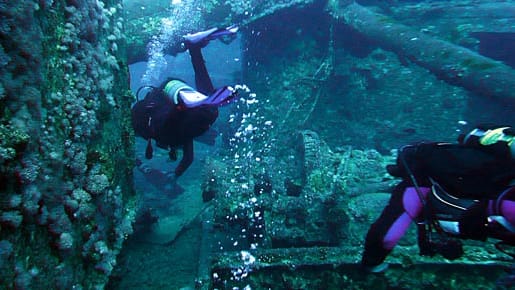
(187, 158)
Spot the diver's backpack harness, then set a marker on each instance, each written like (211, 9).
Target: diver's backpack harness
(142, 116)
(428, 243)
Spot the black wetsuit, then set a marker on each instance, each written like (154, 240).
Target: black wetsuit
(174, 126)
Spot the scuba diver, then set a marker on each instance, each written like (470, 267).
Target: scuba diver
(174, 114)
(453, 191)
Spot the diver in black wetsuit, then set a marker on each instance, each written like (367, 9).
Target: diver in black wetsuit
(173, 114)
(463, 190)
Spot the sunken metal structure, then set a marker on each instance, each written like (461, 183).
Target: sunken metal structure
(339, 85)
(336, 85)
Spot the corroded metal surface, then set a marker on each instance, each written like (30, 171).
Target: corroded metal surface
(336, 268)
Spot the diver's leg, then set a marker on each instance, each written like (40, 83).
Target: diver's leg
(504, 206)
(501, 215)
(375, 252)
(507, 206)
(412, 210)
(202, 79)
(390, 227)
(508, 210)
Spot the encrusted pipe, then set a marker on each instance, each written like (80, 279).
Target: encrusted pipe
(452, 63)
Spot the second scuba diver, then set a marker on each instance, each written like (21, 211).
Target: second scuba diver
(463, 190)
(174, 114)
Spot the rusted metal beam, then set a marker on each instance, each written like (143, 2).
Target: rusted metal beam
(455, 64)
(331, 267)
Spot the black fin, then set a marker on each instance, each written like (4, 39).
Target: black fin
(149, 151)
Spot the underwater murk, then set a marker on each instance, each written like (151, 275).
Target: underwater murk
(284, 186)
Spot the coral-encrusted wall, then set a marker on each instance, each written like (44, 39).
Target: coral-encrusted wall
(66, 145)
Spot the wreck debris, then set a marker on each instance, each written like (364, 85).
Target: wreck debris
(454, 64)
(308, 145)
